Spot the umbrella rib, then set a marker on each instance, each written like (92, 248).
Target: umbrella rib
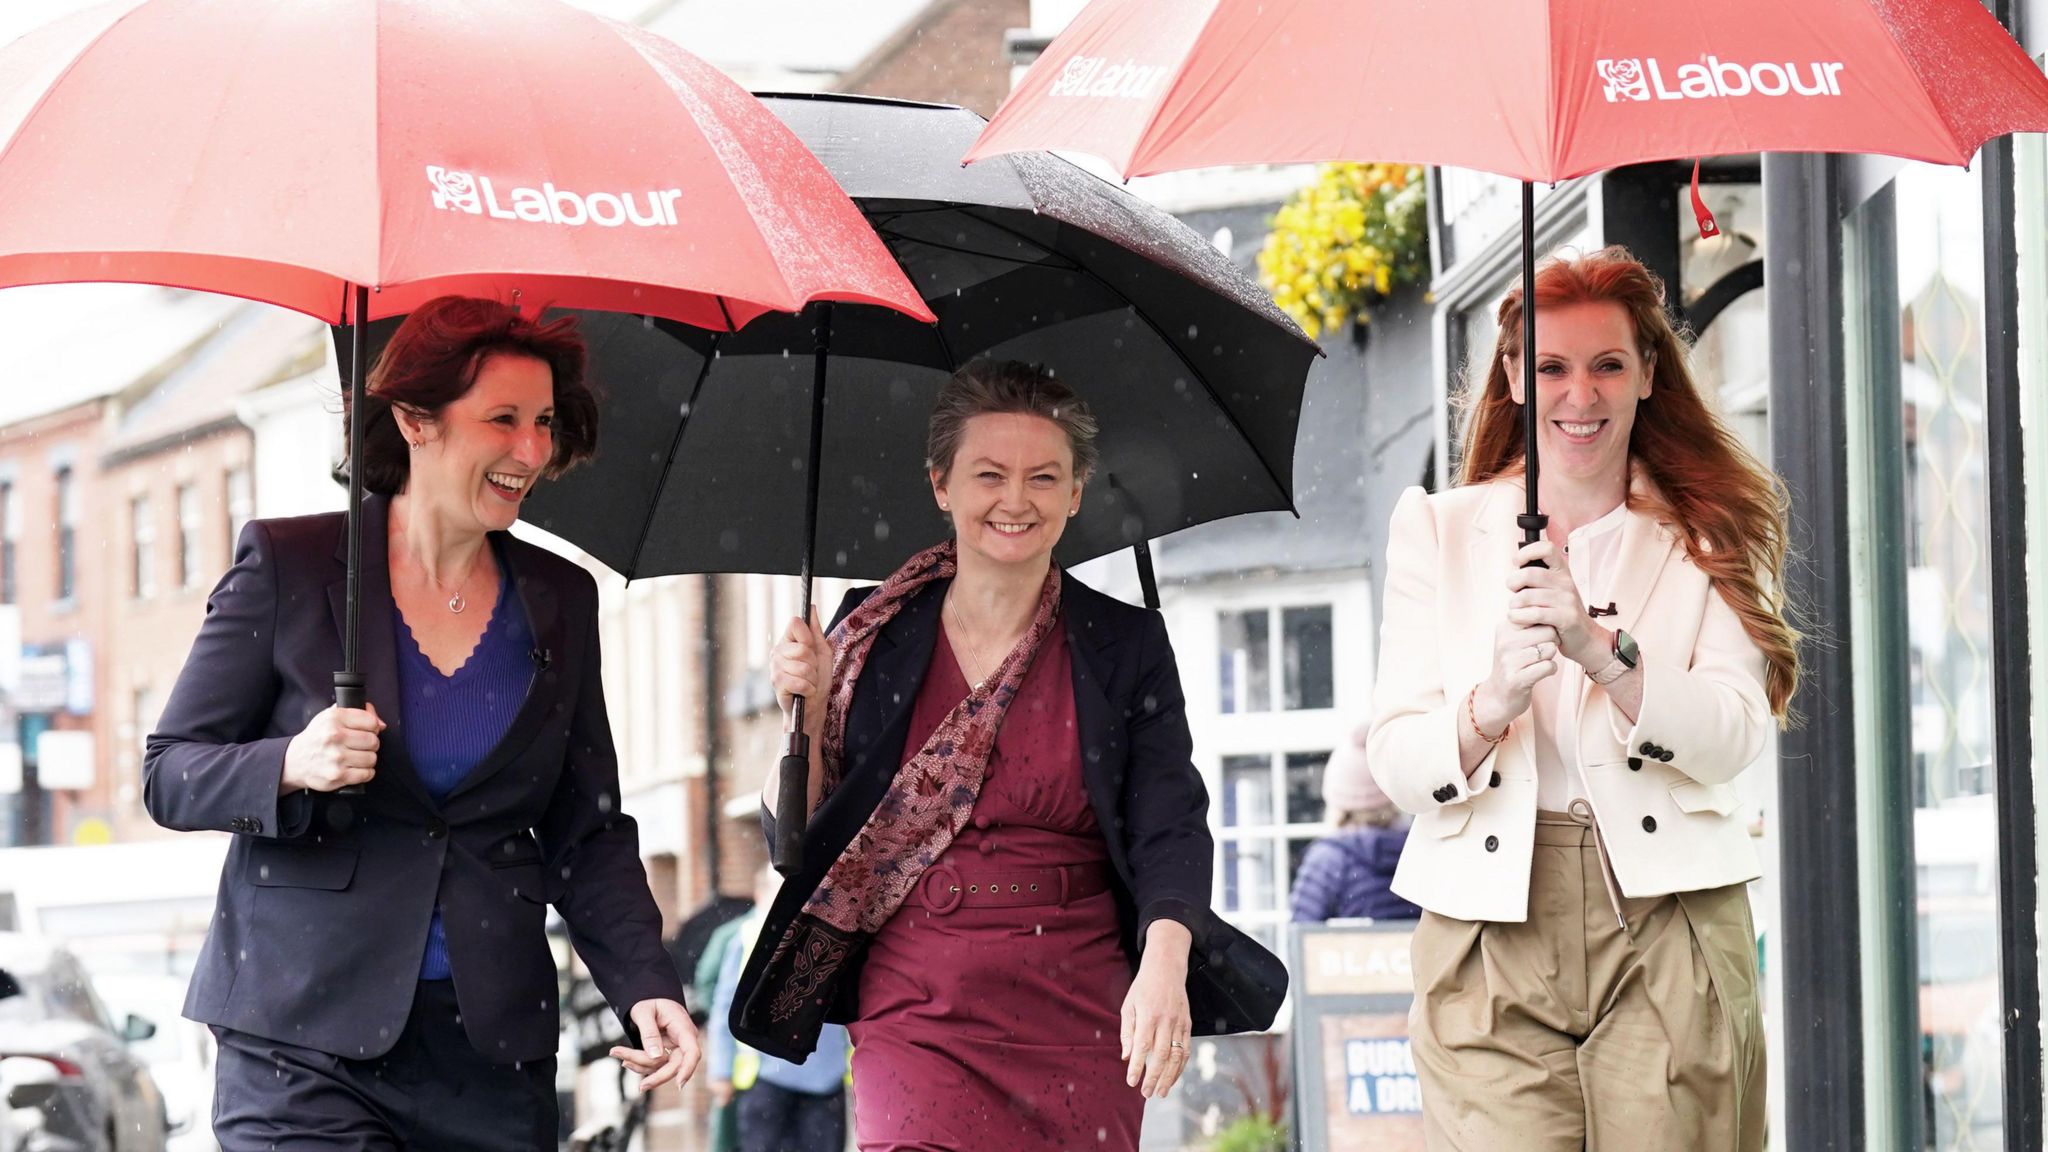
(668, 464)
(1055, 259)
(1236, 425)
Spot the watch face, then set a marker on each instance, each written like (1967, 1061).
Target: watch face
(1625, 647)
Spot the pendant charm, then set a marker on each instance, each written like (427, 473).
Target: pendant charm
(456, 603)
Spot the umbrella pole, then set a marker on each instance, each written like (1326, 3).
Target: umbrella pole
(349, 687)
(1531, 521)
(1148, 582)
(793, 776)
(348, 683)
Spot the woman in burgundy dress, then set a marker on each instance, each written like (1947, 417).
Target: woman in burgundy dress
(1009, 856)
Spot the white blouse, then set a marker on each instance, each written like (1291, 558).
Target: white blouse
(1592, 553)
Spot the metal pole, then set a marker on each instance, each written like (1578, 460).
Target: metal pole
(1817, 774)
(1532, 522)
(713, 746)
(792, 789)
(348, 683)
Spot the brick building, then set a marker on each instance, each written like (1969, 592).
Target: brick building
(72, 359)
(176, 486)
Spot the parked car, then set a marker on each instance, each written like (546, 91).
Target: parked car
(179, 1056)
(68, 1061)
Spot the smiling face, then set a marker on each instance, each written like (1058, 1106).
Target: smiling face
(1590, 376)
(479, 458)
(1010, 489)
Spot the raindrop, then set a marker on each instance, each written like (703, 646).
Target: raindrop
(882, 526)
(1194, 330)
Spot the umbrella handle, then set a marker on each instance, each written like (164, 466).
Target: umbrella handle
(349, 692)
(792, 797)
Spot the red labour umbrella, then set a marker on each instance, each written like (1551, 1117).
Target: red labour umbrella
(286, 152)
(1541, 90)
(351, 159)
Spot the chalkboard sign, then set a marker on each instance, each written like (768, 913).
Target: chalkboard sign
(1354, 1075)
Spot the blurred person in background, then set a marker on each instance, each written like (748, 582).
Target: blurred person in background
(780, 1106)
(1348, 876)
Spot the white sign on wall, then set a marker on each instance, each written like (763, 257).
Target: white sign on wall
(64, 760)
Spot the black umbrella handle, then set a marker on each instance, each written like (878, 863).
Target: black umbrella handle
(792, 796)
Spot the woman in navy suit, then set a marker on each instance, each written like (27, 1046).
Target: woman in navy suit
(377, 972)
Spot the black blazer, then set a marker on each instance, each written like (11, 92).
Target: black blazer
(325, 898)
(1136, 764)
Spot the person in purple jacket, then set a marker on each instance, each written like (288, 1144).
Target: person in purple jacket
(1345, 876)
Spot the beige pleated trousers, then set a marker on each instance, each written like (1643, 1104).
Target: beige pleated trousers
(1569, 1032)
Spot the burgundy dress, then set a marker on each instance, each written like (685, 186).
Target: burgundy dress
(998, 1027)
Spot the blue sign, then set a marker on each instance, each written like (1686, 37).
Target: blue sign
(1379, 1078)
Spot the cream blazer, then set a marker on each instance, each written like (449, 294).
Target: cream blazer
(1659, 787)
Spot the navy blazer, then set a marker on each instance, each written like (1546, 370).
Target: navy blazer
(325, 898)
(1136, 764)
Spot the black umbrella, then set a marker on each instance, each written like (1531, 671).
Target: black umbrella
(714, 444)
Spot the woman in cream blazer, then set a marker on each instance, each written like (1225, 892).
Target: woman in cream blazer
(1566, 737)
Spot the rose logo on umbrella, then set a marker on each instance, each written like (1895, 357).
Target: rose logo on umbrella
(1624, 80)
(456, 190)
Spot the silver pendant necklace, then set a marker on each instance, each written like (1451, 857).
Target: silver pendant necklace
(456, 602)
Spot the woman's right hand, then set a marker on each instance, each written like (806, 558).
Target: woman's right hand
(801, 665)
(1522, 657)
(337, 749)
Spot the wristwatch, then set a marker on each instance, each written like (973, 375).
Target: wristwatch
(1625, 648)
(1625, 656)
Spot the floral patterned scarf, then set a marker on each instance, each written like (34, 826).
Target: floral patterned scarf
(928, 801)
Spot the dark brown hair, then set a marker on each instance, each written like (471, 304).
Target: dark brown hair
(433, 361)
(1725, 505)
(987, 387)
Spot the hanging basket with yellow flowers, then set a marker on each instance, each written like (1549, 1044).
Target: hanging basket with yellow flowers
(1345, 242)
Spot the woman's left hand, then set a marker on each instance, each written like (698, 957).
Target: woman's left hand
(1539, 596)
(670, 1042)
(1156, 1021)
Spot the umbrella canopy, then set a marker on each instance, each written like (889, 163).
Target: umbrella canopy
(704, 465)
(1541, 90)
(286, 152)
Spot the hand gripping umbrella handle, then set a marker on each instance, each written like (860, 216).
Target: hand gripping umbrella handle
(792, 796)
(349, 692)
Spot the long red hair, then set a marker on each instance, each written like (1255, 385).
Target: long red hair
(1725, 505)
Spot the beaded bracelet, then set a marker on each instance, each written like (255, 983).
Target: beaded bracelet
(1473, 720)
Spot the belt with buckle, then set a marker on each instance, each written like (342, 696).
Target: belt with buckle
(945, 887)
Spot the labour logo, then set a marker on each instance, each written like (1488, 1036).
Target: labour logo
(455, 190)
(1100, 77)
(547, 204)
(1624, 80)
